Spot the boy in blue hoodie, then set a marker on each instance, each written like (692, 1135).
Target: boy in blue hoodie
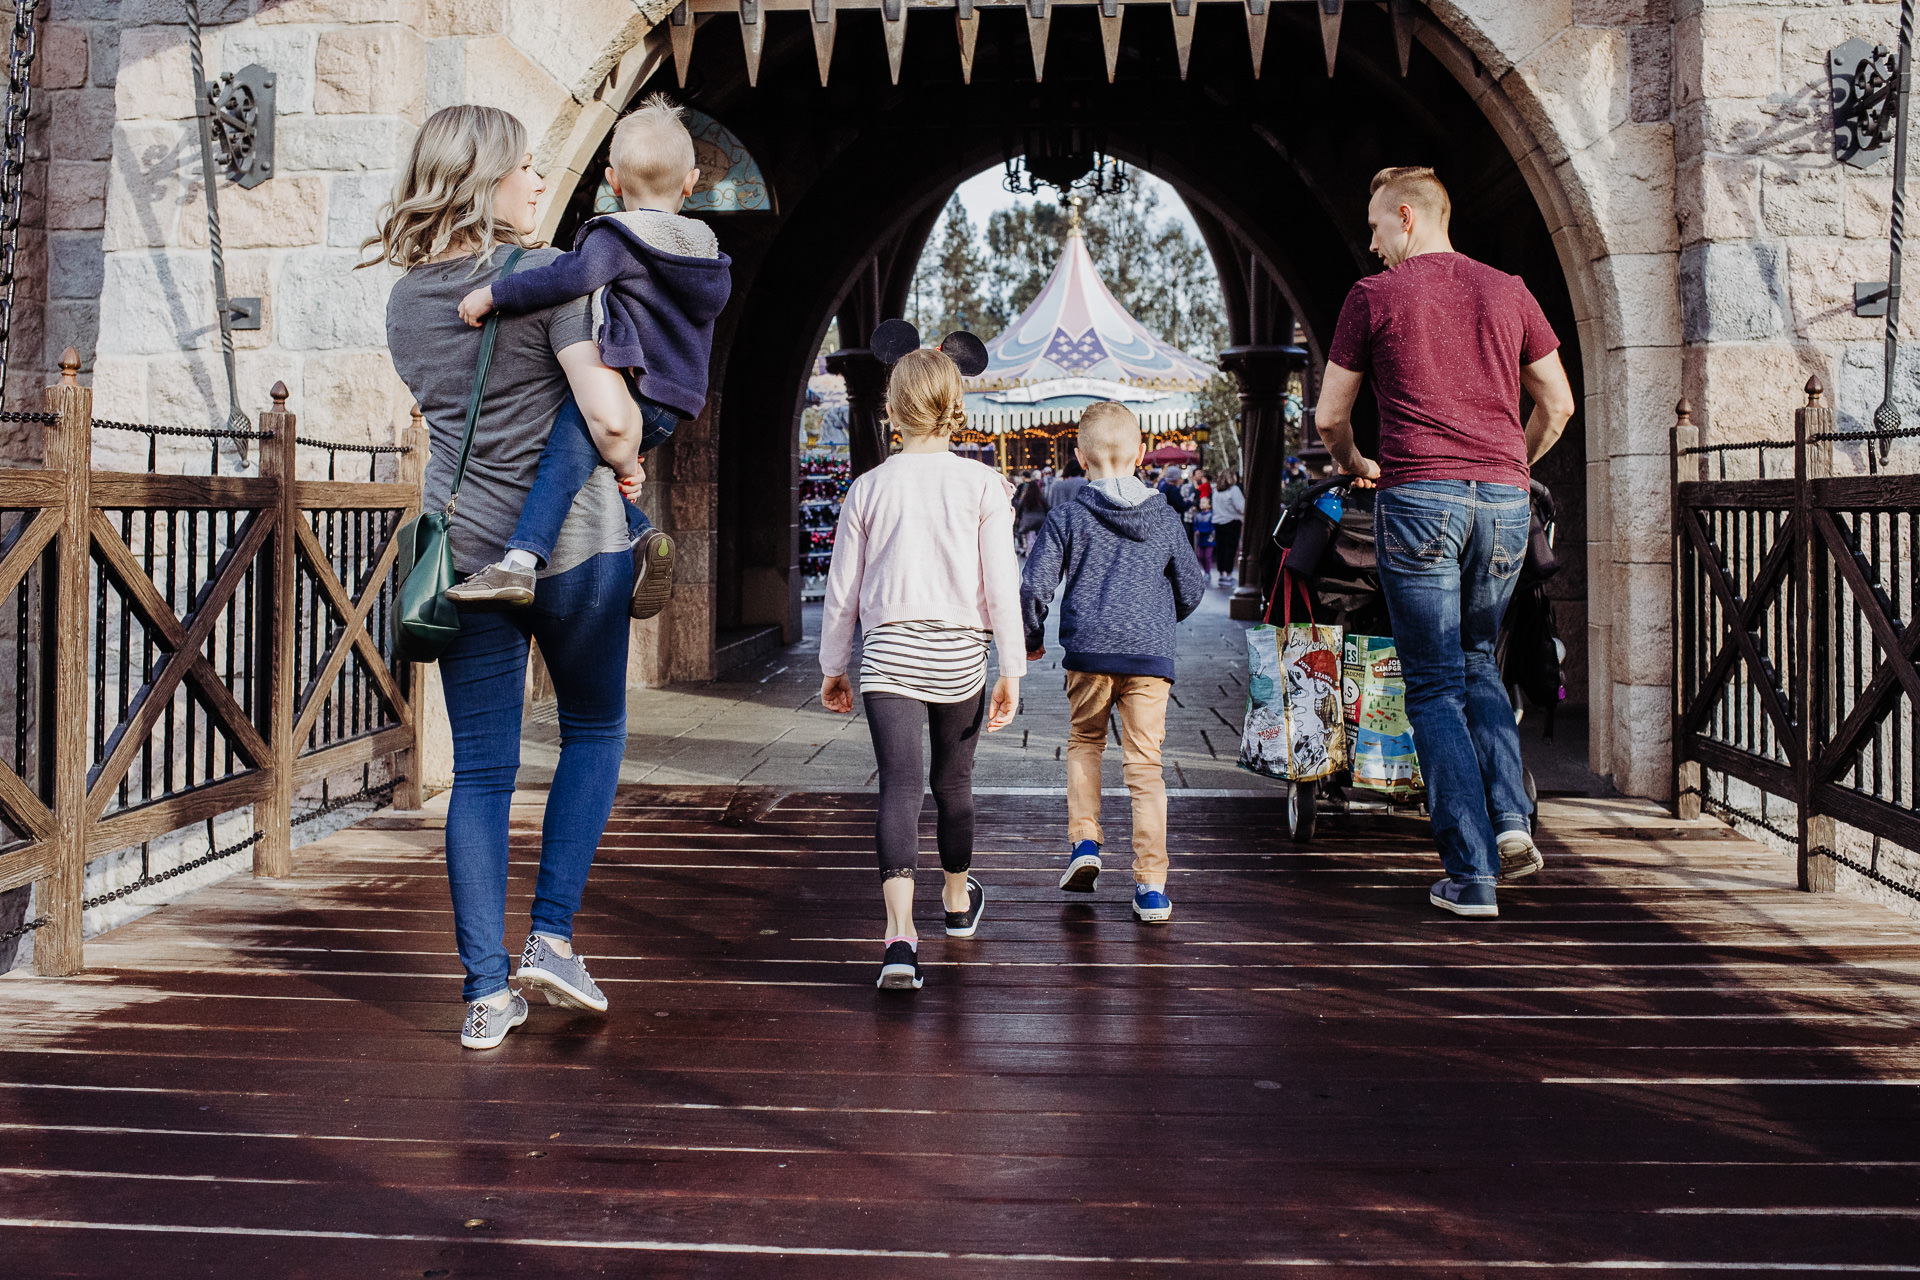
(657, 280)
(1130, 575)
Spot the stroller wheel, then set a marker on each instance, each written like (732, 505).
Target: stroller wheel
(1303, 810)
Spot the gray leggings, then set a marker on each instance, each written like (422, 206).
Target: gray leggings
(895, 723)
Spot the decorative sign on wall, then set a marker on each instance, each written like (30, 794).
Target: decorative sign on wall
(730, 178)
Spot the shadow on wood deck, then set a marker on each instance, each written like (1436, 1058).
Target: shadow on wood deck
(1660, 1055)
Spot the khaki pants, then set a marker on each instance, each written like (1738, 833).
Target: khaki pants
(1142, 703)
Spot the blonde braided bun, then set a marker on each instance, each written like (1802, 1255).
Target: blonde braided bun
(925, 396)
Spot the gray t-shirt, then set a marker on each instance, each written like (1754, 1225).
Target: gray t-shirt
(435, 353)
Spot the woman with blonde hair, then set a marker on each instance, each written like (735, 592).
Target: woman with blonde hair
(923, 564)
(463, 214)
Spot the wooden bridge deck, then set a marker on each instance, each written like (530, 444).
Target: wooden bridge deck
(1661, 1056)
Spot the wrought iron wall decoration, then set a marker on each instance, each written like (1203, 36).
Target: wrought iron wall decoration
(242, 121)
(1861, 78)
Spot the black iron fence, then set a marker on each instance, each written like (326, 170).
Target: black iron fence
(1796, 629)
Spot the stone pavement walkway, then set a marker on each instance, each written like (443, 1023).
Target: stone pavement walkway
(763, 725)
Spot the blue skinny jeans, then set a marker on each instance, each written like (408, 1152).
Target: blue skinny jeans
(580, 619)
(1449, 552)
(565, 464)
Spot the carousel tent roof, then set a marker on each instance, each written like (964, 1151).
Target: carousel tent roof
(1076, 331)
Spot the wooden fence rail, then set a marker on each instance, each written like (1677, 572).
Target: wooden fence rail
(182, 647)
(1796, 631)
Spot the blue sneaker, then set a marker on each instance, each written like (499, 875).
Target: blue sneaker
(1464, 899)
(1083, 867)
(1150, 906)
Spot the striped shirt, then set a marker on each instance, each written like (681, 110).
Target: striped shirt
(928, 661)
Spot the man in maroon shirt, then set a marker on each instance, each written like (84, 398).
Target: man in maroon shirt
(1450, 343)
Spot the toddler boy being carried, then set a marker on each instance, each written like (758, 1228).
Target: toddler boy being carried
(657, 280)
(1130, 575)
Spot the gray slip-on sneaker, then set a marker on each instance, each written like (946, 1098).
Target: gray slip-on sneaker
(1464, 898)
(495, 584)
(564, 980)
(487, 1026)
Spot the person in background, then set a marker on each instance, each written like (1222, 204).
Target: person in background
(1073, 478)
(1229, 511)
(1202, 520)
(1029, 510)
(1169, 487)
(1450, 344)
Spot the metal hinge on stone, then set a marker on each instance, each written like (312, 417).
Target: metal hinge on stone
(242, 122)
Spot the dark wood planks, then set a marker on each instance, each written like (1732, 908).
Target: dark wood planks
(1661, 1054)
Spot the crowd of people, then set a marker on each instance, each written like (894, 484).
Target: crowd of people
(1211, 509)
(533, 368)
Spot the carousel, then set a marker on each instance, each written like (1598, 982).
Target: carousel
(1074, 346)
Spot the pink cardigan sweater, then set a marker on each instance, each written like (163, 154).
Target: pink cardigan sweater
(924, 537)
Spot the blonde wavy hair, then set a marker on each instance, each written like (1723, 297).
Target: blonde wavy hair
(925, 395)
(444, 199)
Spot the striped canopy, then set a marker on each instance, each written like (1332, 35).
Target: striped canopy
(1076, 331)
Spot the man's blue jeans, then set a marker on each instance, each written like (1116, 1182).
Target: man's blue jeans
(565, 464)
(1449, 553)
(580, 619)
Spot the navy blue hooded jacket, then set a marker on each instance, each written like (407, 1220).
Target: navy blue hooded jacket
(1130, 574)
(660, 307)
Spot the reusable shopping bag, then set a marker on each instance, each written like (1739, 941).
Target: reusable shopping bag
(1376, 715)
(426, 621)
(1294, 728)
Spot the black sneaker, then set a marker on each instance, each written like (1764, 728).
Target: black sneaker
(961, 924)
(900, 967)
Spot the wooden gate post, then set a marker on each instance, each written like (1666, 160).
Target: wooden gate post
(1686, 773)
(58, 949)
(407, 792)
(1812, 419)
(273, 817)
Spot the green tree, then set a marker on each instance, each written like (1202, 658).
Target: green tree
(1218, 403)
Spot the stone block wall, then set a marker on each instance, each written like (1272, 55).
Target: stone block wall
(1773, 231)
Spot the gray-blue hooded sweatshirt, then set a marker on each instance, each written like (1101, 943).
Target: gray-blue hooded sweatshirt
(1130, 574)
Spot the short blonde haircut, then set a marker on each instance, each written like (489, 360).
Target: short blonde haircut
(651, 151)
(444, 198)
(1417, 186)
(1110, 434)
(925, 396)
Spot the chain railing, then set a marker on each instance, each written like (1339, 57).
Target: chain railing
(188, 647)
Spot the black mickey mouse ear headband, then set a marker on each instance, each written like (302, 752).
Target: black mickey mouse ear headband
(893, 339)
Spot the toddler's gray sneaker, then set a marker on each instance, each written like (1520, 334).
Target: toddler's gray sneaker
(563, 979)
(487, 1026)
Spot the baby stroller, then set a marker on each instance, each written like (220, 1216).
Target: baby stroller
(1336, 565)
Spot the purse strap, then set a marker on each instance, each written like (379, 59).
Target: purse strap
(489, 330)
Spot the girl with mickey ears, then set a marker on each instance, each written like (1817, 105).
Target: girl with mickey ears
(923, 564)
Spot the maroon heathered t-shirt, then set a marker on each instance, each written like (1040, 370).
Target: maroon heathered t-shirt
(1443, 338)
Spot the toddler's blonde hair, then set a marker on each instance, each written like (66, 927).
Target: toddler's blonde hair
(925, 396)
(651, 148)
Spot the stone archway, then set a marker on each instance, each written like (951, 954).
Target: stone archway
(1541, 83)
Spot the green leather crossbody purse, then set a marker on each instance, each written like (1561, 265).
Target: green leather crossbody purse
(426, 622)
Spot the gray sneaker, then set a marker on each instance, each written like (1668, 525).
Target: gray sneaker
(564, 979)
(487, 1026)
(1518, 856)
(652, 574)
(495, 584)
